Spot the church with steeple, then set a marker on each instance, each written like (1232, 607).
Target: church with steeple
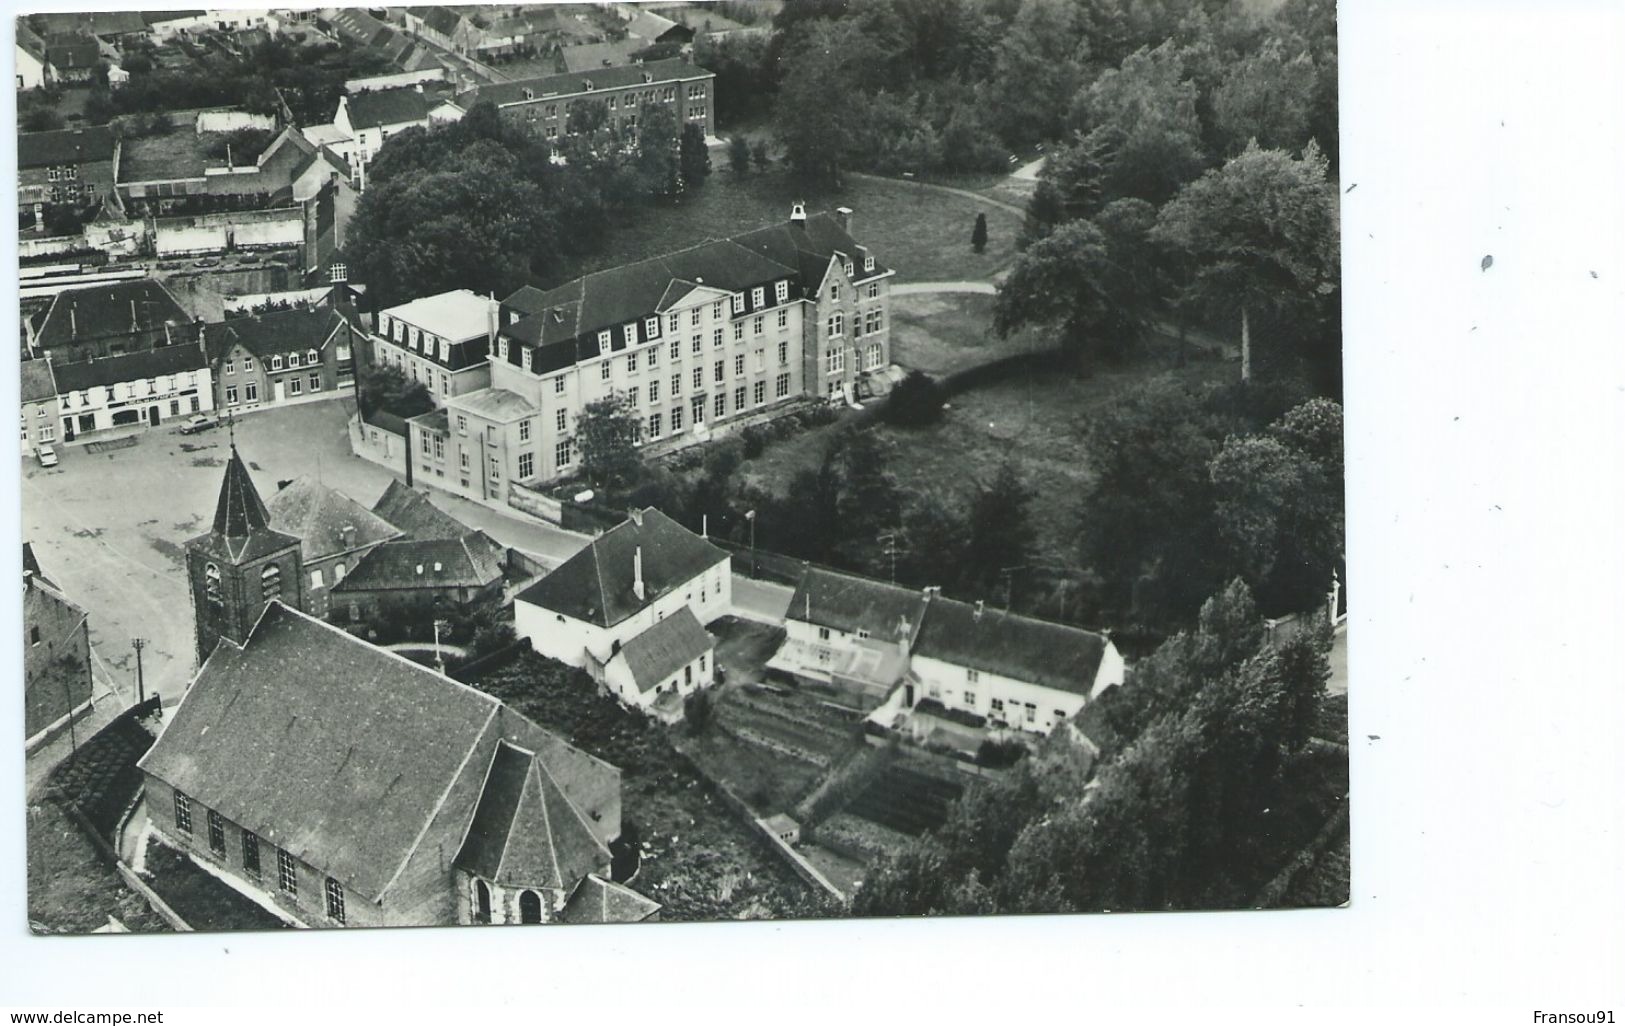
(241, 565)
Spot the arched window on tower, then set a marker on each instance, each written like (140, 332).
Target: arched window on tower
(211, 584)
(271, 583)
(530, 907)
(482, 902)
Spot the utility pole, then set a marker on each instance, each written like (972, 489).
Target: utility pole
(140, 680)
(439, 659)
(751, 516)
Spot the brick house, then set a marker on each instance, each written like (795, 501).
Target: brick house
(543, 105)
(392, 796)
(39, 404)
(57, 681)
(71, 166)
(699, 341)
(422, 575)
(335, 534)
(620, 585)
(285, 356)
(107, 320)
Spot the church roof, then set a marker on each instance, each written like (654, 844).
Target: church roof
(345, 755)
(525, 832)
(411, 512)
(317, 515)
(597, 900)
(242, 528)
(596, 584)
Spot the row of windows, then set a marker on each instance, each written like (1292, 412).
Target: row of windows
(867, 323)
(65, 173)
(270, 584)
(292, 385)
(651, 324)
(286, 867)
(132, 389)
(416, 339)
(871, 291)
(310, 357)
(655, 426)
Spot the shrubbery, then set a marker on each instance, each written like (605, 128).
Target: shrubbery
(917, 401)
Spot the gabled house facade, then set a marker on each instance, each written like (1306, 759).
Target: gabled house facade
(285, 357)
(621, 584)
(393, 796)
(70, 166)
(874, 643)
(336, 534)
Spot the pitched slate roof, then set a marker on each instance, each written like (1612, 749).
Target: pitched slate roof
(31, 563)
(809, 247)
(1020, 647)
(849, 603)
(380, 107)
(525, 832)
(498, 404)
(648, 25)
(137, 366)
(38, 385)
(597, 900)
(283, 331)
(357, 25)
(143, 306)
(65, 146)
(440, 19)
(456, 316)
(29, 40)
(664, 649)
(350, 751)
(242, 526)
(73, 55)
(630, 292)
(472, 561)
(317, 515)
(411, 512)
(595, 584)
(571, 83)
(100, 23)
(592, 56)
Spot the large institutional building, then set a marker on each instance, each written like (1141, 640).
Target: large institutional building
(698, 342)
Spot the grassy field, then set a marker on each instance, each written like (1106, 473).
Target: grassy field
(941, 333)
(924, 235)
(200, 899)
(1038, 418)
(71, 888)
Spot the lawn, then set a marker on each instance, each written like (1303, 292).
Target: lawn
(924, 235)
(941, 333)
(197, 897)
(1037, 417)
(71, 887)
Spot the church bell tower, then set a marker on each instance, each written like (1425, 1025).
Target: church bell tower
(240, 565)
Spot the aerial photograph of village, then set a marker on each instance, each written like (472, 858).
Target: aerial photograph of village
(627, 463)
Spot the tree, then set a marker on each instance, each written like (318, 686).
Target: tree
(1278, 520)
(693, 157)
(1068, 278)
(870, 502)
(759, 155)
(739, 155)
(659, 162)
(1258, 232)
(381, 388)
(935, 538)
(41, 119)
(606, 434)
(822, 98)
(978, 235)
(1267, 97)
(1045, 210)
(1003, 537)
(1041, 57)
(1139, 123)
(916, 401)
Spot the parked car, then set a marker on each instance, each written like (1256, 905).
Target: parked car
(46, 456)
(202, 422)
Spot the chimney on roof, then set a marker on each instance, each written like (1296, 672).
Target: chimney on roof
(637, 572)
(635, 515)
(844, 215)
(976, 617)
(904, 629)
(798, 214)
(347, 535)
(420, 569)
(492, 319)
(931, 591)
(135, 319)
(438, 567)
(73, 319)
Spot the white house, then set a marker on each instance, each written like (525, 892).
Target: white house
(621, 584)
(440, 340)
(33, 70)
(657, 669)
(870, 641)
(143, 388)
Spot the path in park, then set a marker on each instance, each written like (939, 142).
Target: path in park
(950, 190)
(918, 288)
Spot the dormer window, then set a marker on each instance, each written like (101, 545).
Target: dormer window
(530, 94)
(849, 268)
(781, 291)
(603, 340)
(276, 363)
(631, 334)
(868, 263)
(651, 326)
(758, 297)
(586, 85)
(738, 302)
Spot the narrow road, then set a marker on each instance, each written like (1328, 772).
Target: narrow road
(921, 288)
(1028, 172)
